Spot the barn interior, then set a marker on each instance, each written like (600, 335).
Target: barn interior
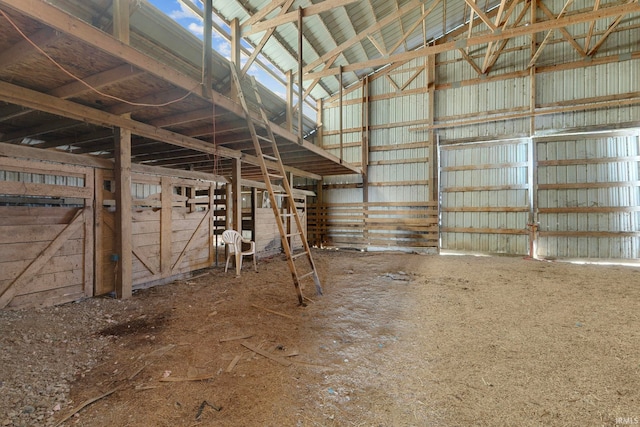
(506, 132)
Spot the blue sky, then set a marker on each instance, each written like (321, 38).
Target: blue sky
(192, 22)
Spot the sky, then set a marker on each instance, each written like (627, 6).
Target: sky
(192, 22)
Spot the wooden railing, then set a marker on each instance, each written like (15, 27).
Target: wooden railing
(383, 224)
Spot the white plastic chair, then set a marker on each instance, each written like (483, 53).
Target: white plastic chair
(233, 240)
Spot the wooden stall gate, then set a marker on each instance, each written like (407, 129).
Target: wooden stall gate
(46, 233)
(175, 223)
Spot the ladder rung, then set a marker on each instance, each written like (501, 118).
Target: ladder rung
(268, 157)
(297, 233)
(306, 275)
(289, 215)
(271, 175)
(298, 255)
(264, 138)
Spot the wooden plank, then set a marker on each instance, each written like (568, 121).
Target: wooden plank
(578, 185)
(35, 215)
(594, 234)
(266, 354)
(590, 209)
(485, 209)
(8, 291)
(485, 166)
(34, 189)
(590, 161)
(48, 298)
(41, 167)
(399, 161)
(89, 264)
(486, 188)
(483, 230)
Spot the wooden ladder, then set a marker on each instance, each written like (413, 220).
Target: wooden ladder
(273, 171)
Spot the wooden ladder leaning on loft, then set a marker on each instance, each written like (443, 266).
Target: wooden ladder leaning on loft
(278, 186)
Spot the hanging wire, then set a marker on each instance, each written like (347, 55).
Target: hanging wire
(70, 74)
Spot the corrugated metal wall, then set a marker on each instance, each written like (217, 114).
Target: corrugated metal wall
(484, 193)
(588, 196)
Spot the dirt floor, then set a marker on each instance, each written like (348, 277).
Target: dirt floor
(396, 340)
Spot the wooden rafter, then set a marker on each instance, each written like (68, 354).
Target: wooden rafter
(587, 40)
(273, 5)
(505, 34)
(472, 4)
(612, 27)
(503, 43)
(265, 39)
(470, 60)
(363, 34)
(568, 37)
(415, 25)
(547, 37)
(377, 45)
(497, 23)
(314, 9)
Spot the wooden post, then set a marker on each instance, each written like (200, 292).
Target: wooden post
(121, 20)
(207, 50)
(236, 51)
(433, 146)
(254, 204)
(166, 214)
(289, 101)
(300, 80)
(122, 170)
(320, 133)
(236, 191)
(365, 155)
(340, 105)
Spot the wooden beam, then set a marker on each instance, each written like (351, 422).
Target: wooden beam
(611, 28)
(236, 48)
(363, 34)
(547, 37)
(236, 194)
(300, 79)
(121, 20)
(414, 26)
(587, 40)
(207, 51)
(21, 50)
(471, 62)
(123, 248)
(265, 39)
(114, 75)
(568, 37)
(314, 9)
(273, 5)
(507, 33)
(481, 14)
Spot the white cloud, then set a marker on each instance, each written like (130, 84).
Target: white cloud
(183, 13)
(197, 29)
(224, 49)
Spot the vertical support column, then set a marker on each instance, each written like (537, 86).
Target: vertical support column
(121, 20)
(122, 170)
(235, 53)
(321, 214)
(300, 79)
(236, 192)
(207, 49)
(433, 146)
(340, 106)
(289, 112)
(533, 163)
(320, 133)
(254, 204)
(166, 216)
(289, 205)
(365, 155)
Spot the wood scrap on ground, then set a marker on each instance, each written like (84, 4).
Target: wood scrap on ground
(233, 363)
(85, 404)
(266, 354)
(239, 337)
(272, 311)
